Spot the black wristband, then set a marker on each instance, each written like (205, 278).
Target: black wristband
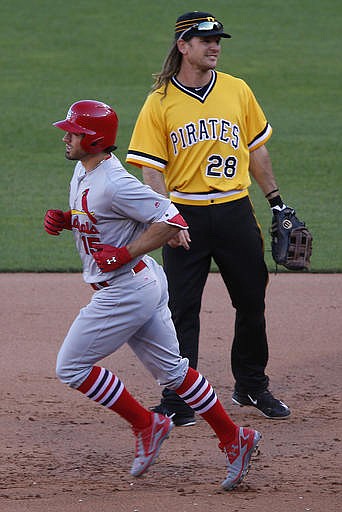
(276, 201)
(272, 192)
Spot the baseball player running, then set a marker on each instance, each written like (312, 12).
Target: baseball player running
(116, 220)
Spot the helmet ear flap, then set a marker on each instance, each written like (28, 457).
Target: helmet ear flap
(92, 145)
(97, 141)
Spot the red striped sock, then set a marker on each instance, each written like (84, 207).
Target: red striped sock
(198, 393)
(106, 389)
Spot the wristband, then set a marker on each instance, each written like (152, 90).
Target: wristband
(276, 201)
(272, 192)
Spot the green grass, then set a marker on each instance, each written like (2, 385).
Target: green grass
(56, 52)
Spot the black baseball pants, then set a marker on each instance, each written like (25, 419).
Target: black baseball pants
(229, 234)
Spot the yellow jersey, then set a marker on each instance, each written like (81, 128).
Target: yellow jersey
(201, 142)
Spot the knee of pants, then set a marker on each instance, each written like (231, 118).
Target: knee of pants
(174, 378)
(71, 375)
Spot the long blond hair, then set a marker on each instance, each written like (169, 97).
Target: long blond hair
(171, 66)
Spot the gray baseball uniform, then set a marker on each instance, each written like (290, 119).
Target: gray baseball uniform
(110, 206)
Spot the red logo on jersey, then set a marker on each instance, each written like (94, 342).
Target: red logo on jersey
(84, 227)
(85, 206)
(157, 204)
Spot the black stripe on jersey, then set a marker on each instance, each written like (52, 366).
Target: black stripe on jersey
(146, 155)
(191, 92)
(259, 135)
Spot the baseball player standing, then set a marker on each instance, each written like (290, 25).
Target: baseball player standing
(197, 137)
(116, 220)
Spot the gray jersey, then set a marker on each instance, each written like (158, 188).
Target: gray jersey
(110, 206)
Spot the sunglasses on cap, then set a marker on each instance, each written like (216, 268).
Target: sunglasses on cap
(203, 26)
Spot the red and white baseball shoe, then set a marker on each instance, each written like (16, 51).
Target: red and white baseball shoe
(148, 443)
(238, 454)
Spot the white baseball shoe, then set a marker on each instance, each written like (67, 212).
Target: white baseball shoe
(238, 454)
(148, 443)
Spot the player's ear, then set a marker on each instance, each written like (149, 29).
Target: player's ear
(181, 45)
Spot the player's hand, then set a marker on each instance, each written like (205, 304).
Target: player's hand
(181, 239)
(56, 220)
(109, 258)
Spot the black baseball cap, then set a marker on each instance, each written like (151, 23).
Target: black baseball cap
(200, 24)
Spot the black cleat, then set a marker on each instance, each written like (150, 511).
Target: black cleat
(270, 407)
(179, 419)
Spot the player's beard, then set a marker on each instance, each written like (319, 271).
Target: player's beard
(69, 157)
(211, 62)
(74, 154)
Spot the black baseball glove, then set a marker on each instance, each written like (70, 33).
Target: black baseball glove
(291, 241)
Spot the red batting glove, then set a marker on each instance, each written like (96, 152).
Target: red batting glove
(56, 220)
(109, 258)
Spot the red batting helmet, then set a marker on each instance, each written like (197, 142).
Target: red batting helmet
(96, 120)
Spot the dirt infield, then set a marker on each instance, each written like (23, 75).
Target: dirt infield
(61, 452)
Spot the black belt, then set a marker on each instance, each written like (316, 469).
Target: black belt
(104, 284)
